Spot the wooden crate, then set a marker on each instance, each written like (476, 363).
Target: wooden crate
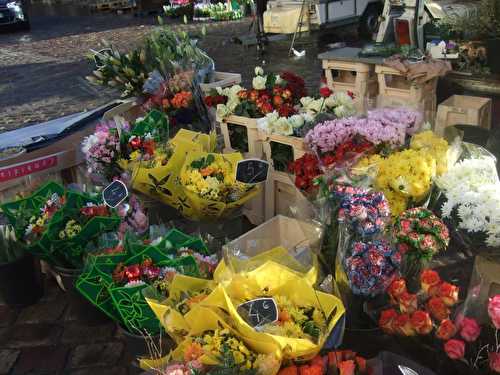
(129, 109)
(396, 90)
(62, 161)
(255, 209)
(358, 78)
(463, 110)
(254, 145)
(297, 144)
(221, 79)
(283, 198)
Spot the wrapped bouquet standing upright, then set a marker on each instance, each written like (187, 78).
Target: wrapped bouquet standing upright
(210, 185)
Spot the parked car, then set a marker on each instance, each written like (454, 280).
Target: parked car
(14, 12)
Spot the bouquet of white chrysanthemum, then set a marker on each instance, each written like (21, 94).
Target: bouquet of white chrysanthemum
(472, 191)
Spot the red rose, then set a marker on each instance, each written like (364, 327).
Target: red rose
(407, 302)
(135, 143)
(266, 108)
(387, 320)
(277, 101)
(209, 101)
(277, 90)
(325, 92)
(446, 330)
(243, 94)
(449, 293)
(429, 278)
(403, 325)
(396, 289)
(455, 349)
(421, 322)
(253, 95)
(469, 329)
(438, 309)
(494, 361)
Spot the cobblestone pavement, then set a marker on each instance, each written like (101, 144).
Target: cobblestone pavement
(42, 72)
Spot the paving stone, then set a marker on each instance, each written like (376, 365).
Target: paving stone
(92, 355)
(52, 291)
(29, 335)
(78, 333)
(47, 312)
(7, 316)
(45, 359)
(7, 360)
(100, 371)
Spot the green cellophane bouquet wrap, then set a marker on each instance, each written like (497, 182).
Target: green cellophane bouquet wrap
(80, 222)
(31, 216)
(114, 283)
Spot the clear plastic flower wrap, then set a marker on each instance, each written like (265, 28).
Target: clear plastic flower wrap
(470, 198)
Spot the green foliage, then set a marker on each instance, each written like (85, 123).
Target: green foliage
(484, 24)
(203, 162)
(228, 365)
(165, 51)
(282, 155)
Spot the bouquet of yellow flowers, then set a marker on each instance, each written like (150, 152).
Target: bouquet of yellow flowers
(209, 182)
(407, 176)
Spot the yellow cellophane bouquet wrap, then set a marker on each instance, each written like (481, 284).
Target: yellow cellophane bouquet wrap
(209, 183)
(161, 180)
(235, 267)
(183, 295)
(210, 338)
(294, 296)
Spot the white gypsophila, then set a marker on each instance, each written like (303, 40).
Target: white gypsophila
(259, 71)
(219, 90)
(259, 82)
(296, 121)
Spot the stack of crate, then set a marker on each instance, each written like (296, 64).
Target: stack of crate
(396, 90)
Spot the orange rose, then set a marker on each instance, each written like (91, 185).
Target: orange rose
(446, 330)
(243, 94)
(403, 325)
(396, 289)
(438, 309)
(408, 303)
(429, 279)
(449, 293)
(387, 320)
(421, 322)
(253, 95)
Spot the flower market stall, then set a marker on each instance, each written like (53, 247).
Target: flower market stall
(365, 242)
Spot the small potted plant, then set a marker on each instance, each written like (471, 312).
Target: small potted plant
(18, 283)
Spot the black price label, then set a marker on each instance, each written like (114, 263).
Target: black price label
(252, 171)
(115, 193)
(258, 312)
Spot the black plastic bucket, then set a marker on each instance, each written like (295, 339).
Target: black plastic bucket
(79, 305)
(19, 285)
(136, 346)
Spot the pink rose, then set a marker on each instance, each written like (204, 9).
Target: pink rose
(469, 329)
(494, 310)
(495, 361)
(455, 349)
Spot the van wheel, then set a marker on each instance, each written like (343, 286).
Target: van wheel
(369, 22)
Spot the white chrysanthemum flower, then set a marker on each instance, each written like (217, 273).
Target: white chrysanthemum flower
(283, 127)
(344, 111)
(296, 121)
(222, 111)
(341, 98)
(306, 101)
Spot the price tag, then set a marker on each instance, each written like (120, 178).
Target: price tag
(115, 193)
(258, 312)
(252, 171)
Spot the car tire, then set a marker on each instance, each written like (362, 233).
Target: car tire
(369, 22)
